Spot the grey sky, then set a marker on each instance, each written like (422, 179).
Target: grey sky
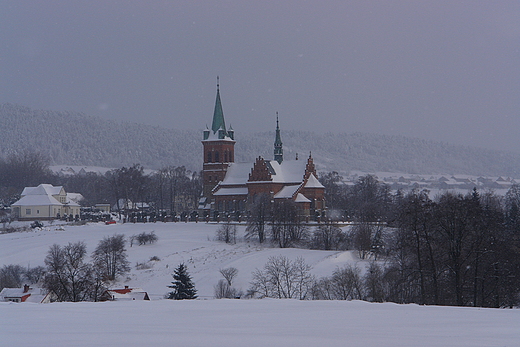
(442, 70)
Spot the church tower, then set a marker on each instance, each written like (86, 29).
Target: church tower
(278, 150)
(219, 150)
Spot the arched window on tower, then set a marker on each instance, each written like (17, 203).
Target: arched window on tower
(225, 156)
(209, 157)
(217, 157)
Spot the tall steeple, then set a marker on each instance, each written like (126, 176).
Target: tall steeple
(219, 150)
(278, 150)
(218, 124)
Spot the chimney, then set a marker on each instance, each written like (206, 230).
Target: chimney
(25, 288)
(126, 287)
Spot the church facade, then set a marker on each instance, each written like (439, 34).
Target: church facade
(229, 188)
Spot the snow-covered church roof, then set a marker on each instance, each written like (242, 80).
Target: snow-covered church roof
(312, 182)
(289, 171)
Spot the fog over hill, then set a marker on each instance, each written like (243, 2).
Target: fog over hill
(71, 138)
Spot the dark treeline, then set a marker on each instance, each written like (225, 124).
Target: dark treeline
(452, 249)
(169, 190)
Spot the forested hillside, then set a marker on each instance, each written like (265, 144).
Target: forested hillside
(73, 138)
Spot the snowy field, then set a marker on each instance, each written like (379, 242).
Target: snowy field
(208, 322)
(254, 323)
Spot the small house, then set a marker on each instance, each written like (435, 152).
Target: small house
(28, 294)
(125, 294)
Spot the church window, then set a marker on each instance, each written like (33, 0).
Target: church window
(217, 157)
(225, 157)
(209, 157)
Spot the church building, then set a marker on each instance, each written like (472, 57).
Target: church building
(230, 188)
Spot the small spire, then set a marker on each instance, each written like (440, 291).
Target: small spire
(218, 83)
(278, 150)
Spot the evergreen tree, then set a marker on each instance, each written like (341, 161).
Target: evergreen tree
(183, 287)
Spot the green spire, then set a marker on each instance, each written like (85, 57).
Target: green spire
(218, 116)
(278, 150)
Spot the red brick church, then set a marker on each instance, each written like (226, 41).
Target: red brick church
(230, 188)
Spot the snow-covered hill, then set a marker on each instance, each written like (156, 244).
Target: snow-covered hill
(190, 243)
(71, 138)
(208, 322)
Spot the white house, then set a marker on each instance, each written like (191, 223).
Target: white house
(46, 202)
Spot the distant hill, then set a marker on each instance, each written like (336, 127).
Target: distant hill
(73, 138)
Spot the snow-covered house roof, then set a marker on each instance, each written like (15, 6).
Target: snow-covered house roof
(27, 294)
(74, 198)
(43, 189)
(37, 200)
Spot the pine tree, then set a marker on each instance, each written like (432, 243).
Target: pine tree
(183, 287)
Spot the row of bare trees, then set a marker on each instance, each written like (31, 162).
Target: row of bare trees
(455, 250)
(170, 189)
(451, 249)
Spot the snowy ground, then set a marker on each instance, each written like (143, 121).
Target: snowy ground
(254, 323)
(226, 322)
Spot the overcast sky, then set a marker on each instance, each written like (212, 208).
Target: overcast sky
(441, 70)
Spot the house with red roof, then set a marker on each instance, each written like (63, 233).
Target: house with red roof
(28, 294)
(125, 294)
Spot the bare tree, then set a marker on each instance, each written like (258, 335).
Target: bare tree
(260, 215)
(227, 233)
(223, 289)
(374, 284)
(328, 237)
(229, 274)
(344, 284)
(110, 257)
(368, 239)
(287, 229)
(282, 279)
(347, 283)
(11, 276)
(67, 274)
